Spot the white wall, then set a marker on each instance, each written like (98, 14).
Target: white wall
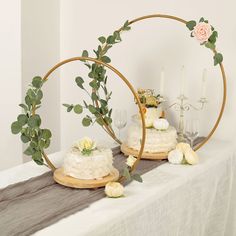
(149, 46)
(40, 51)
(10, 89)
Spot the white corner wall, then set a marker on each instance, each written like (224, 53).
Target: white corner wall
(10, 78)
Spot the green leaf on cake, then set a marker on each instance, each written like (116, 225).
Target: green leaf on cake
(191, 24)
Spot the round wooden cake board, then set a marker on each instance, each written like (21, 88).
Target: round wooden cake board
(69, 181)
(146, 155)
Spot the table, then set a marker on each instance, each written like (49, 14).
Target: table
(173, 200)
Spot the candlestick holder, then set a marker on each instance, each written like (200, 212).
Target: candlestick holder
(182, 106)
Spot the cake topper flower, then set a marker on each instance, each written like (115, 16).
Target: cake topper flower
(206, 35)
(85, 145)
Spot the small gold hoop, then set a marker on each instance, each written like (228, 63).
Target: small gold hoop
(45, 78)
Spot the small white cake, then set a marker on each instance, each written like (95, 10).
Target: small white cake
(156, 140)
(94, 166)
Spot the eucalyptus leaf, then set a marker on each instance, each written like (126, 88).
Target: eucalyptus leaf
(24, 138)
(102, 39)
(210, 45)
(126, 174)
(137, 177)
(37, 157)
(24, 107)
(86, 122)
(22, 119)
(16, 127)
(37, 82)
(29, 151)
(92, 109)
(79, 81)
(34, 121)
(85, 53)
(106, 59)
(46, 134)
(218, 58)
(78, 109)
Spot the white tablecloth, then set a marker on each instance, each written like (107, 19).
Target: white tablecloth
(173, 200)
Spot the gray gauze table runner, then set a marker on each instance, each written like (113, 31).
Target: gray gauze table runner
(29, 206)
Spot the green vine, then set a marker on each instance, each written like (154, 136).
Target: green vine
(99, 110)
(28, 124)
(210, 42)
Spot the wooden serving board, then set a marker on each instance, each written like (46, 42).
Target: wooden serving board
(146, 155)
(69, 181)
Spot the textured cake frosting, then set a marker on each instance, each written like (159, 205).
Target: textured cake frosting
(156, 141)
(94, 166)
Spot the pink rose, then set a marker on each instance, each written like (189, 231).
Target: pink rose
(202, 32)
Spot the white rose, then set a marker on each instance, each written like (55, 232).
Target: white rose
(85, 143)
(183, 147)
(175, 156)
(114, 189)
(130, 161)
(191, 157)
(161, 124)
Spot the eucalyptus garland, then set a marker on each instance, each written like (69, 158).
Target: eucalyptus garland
(28, 125)
(98, 109)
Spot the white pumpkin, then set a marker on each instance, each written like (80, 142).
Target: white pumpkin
(161, 124)
(175, 156)
(191, 157)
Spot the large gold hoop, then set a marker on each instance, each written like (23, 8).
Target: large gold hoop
(221, 68)
(46, 77)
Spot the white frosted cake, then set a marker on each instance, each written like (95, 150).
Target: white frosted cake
(156, 140)
(94, 166)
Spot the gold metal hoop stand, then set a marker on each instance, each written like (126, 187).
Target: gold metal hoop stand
(221, 68)
(46, 77)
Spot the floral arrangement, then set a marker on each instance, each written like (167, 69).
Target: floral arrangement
(206, 35)
(183, 154)
(148, 98)
(86, 146)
